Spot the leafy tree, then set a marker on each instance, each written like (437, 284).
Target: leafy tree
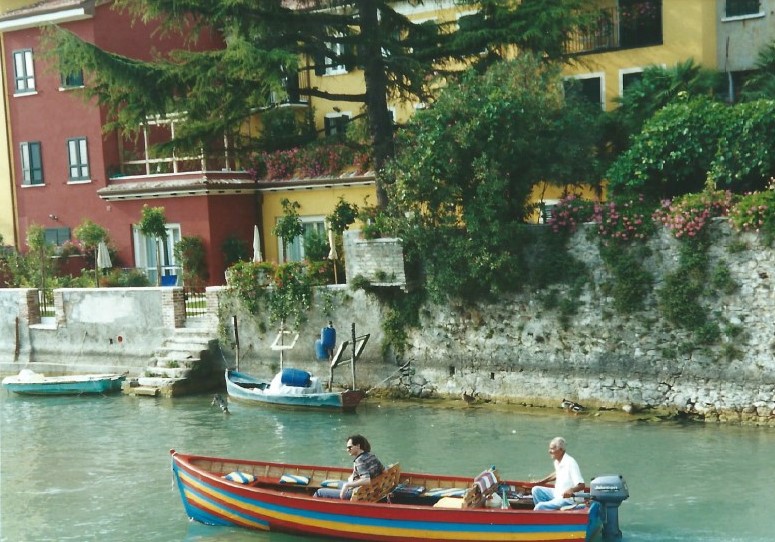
(673, 153)
(153, 224)
(744, 159)
(40, 269)
(190, 252)
(266, 41)
(90, 235)
(466, 167)
(761, 84)
(658, 87)
(288, 226)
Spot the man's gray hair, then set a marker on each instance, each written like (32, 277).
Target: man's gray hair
(558, 442)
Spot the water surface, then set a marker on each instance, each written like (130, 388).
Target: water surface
(97, 468)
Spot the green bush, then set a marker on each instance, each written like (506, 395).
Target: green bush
(756, 213)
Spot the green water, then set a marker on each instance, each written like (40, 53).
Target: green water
(97, 469)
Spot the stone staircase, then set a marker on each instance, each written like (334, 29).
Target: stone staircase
(187, 362)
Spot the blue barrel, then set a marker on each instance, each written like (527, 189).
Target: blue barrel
(320, 350)
(296, 378)
(328, 337)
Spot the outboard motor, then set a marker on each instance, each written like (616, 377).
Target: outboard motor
(610, 491)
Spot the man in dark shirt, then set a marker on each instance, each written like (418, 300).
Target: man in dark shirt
(365, 467)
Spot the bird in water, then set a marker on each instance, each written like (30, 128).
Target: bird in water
(469, 397)
(221, 402)
(570, 406)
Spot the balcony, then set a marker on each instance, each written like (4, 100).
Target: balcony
(291, 95)
(628, 26)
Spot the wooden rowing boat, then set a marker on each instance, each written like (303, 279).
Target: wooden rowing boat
(397, 506)
(28, 382)
(247, 388)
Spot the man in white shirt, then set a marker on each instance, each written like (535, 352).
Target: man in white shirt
(567, 480)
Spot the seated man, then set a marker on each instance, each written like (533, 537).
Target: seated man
(365, 467)
(567, 480)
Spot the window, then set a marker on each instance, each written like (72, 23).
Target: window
(332, 68)
(313, 226)
(24, 71)
(32, 164)
(738, 8)
(78, 158)
(57, 236)
(589, 87)
(629, 77)
(145, 253)
(72, 80)
(336, 123)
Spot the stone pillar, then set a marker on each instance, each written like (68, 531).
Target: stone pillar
(173, 304)
(59, 308)
(29, 309)
(380, 261)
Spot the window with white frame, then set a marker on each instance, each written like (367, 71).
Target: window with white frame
(78, 158)
(332, 68)
(145, 253)
(741, 8)
(32, 162)
(313, 225)
(24, 71)
(72, 80)
(590, 86)
(629, 77)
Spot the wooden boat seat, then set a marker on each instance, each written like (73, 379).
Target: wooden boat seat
(379, 487)
(484, 485)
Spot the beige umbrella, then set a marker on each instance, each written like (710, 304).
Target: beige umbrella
(332, 255)
(257, 257)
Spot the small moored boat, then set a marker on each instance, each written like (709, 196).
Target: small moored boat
(395, 506)
(289, 388)
(29, 382)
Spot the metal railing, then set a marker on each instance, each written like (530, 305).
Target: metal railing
(196, 303)
(637, 24)
(46, 302)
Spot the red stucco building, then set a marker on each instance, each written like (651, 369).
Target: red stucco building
(66, 169)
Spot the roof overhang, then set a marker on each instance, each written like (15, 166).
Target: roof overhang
(178, 186)
(46, 13)
(315, 183)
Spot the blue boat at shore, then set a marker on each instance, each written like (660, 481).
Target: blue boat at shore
(28, 382)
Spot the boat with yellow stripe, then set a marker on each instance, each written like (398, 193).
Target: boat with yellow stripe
(396, 506)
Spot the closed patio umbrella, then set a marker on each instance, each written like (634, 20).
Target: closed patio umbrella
(332, 255)
(257, 257)
(103, 260)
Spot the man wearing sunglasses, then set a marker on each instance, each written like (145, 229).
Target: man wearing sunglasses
(366, 466)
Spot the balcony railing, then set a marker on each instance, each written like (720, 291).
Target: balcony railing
(631, 25)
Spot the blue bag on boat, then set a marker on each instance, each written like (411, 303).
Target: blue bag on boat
(296, 378)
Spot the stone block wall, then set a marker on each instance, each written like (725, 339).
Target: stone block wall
(380, 261)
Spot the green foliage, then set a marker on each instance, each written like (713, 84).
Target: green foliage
(342, 216)
(744, 159)
(761, 83)
(569, 212)
(756, 213)
(190, 252)
(288, 226)
(281, 130)
(721, 279)
(90, 234)
(124, 279)
(248, 280)
(673, 153)
(631, 282)
(235, 250)
(290, 297)
(315, 246)
(624, 220)
(658, 87)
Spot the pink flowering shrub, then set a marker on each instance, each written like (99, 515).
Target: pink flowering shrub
(755, 212)
(318, 160)
(688, 215)
(623, 221)
(280, 164)
(569, 213)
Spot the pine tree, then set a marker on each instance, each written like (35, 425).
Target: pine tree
(265, 41)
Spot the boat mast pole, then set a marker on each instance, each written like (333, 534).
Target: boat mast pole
(236, 339)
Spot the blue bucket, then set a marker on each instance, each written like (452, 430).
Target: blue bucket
(295, 378)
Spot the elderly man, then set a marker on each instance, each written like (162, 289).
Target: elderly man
(567, 480)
